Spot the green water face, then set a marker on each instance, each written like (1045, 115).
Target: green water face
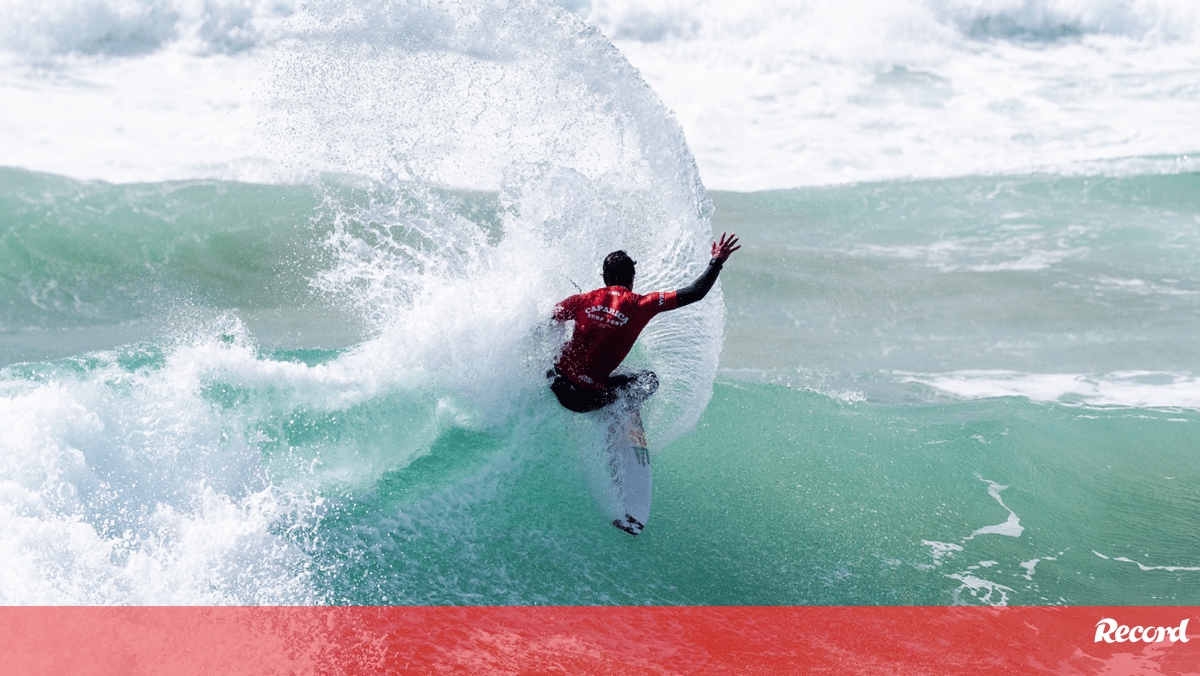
(1026, 273)
(790, 497)
(88, 265)
(872, 489)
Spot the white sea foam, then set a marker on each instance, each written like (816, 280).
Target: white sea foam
(772, 94)
(127, 27)
(778, 94)
(128, 487)
(981, 590)
(1011, 527)
(1143, 566)
(163, 116)
(1138, 389)
(1027, 252)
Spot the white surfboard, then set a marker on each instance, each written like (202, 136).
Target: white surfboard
(629, 466)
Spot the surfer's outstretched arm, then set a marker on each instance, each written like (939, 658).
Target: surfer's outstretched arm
(700, 288)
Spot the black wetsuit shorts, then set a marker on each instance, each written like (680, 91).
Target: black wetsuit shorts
(631, 388)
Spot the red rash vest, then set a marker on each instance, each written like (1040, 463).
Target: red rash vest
(607, 322)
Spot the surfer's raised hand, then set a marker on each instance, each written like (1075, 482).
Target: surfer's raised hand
(721, 251)
(699, 288)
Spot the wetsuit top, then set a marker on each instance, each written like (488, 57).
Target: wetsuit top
(607, 322)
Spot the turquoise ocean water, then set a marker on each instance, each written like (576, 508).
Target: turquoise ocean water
(313, 374)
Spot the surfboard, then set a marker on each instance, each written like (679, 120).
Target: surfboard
(629, 466)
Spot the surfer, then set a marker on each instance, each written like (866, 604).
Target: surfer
(608, 321)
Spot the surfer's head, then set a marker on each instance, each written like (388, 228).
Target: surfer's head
(619, 269)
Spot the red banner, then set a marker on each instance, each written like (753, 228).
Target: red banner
(180, 641)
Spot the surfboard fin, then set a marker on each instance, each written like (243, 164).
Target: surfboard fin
(642, 455)
(629, 525)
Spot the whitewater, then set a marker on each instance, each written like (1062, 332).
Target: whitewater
(275, 280)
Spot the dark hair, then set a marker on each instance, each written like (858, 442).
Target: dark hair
(618, 269)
